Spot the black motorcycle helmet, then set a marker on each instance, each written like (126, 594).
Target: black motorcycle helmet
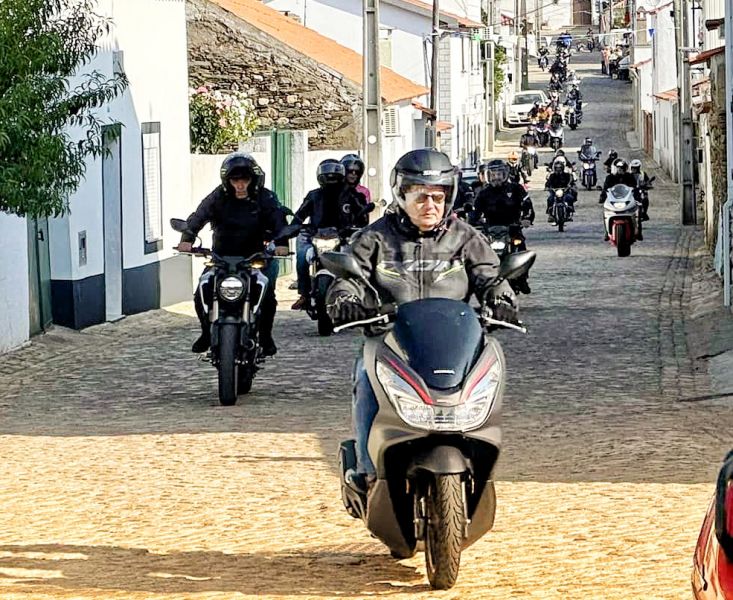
(558, 167)
(622, 166)
(612, 154)
(241, 164)
(354, 161)
(426, 166)
(498, 172)
(330, 172)
(588, 141)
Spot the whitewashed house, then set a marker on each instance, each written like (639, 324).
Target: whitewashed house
(112, 255)
(405, 27)
(664, 86)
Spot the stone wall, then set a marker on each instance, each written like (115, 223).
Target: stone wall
(717, 139)
(289, 90)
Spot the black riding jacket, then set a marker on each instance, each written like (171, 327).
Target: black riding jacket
(503, 205)
(626, 178)
(403, 264)
(240, 227)
(333, 206)
(559, 180)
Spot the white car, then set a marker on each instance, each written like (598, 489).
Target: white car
(521, 104)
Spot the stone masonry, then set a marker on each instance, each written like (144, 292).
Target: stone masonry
(289, 90)
(717, 138)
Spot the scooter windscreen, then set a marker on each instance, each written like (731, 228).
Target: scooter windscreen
(441, 339)
(620, 191)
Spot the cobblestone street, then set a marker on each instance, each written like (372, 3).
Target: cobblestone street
(123, 478)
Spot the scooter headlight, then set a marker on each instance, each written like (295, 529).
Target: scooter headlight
(586, 165)
(498, 245)
(417, 409)
(618, 204)
(325, 244)
(231, 289)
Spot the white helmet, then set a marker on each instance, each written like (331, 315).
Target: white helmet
(635, 165)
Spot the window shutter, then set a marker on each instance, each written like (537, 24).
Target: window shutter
(391, 121)
(152, 193)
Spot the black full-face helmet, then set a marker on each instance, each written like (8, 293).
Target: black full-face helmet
(621, 166)
(241, 164)
(497, 172)
(330, 172)
(354, 162)
(426, 166)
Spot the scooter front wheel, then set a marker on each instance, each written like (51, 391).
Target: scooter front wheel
(444, 530)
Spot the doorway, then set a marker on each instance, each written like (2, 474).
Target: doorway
(39, 275)
(112, 211)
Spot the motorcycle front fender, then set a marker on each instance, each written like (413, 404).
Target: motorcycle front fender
(440, 460)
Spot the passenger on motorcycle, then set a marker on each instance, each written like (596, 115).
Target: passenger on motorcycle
(354, 166)
(244, 216)
(560, 179)
(333, 204)
(621, 175)
(529, 138)
(642, 181)
(502, 202)
(517, 173)
(414, 253)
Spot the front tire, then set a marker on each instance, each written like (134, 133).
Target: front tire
(245, 378)
(623, 244)
(444, 531)
(325, 325)
(228, 368)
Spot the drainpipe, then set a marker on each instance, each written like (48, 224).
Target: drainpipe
(726, 210)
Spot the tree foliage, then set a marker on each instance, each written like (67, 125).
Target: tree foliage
(48, 128)
(219, 120)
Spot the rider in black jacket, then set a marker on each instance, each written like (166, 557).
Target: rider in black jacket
(243, 215)
(502, 202)
(623, 176)
(333, 204)
(413, 253)
(560, 179)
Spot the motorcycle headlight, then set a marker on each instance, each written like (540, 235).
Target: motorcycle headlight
(498, 245)
(558, 193)
(586, 165)
(517, 242)
(618, 204)
(231, 289)
(418, 410)
(532, 150)
(325, 244)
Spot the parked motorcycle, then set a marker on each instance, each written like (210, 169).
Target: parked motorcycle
(622, 218)
(560, 209)
(438, 378)
(557, 135)
(239, 288)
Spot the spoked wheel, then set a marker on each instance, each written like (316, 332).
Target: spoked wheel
(444, 530)
(228, 368)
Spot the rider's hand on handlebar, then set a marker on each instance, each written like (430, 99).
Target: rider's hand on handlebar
(184, 247)
(347, 308)
(504, 308)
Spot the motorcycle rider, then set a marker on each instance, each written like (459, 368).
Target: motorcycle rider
(332, 204)
(534, 111)
(587, 151)
(608, 163)
(574, 95)
(517, 173)
(642, 181)
(502, 202)
(465, 192)
(560, 178)
(243, 215)
(354, 166)
(621, 175)
(424, 186)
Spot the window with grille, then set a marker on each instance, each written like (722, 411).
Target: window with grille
(391, 118)
(152, 188)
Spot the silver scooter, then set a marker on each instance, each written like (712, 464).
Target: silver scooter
(438, 378)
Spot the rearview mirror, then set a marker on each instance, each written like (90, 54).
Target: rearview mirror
(288, 231)
(652, 179)
(341, 264)
(179, 225)
(515, 265)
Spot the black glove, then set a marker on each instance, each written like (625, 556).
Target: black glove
(504, 308)
(347, 308)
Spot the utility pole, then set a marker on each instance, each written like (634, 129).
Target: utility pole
(490, 99)
(431, 136)
(726, 209)
(517, 51)
(372, 102)
(525, 50)
(684, 112)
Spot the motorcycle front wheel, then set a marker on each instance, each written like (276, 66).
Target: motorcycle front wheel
(623, 243)
(444, 531)
(228, 368)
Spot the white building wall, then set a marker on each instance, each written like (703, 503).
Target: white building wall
(663, 49)
(558, 16)
(158, 92)
(14, 289)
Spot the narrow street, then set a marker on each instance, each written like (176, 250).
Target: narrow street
(123, 478)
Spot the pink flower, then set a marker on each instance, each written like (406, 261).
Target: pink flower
(202, 90)
(222, 122)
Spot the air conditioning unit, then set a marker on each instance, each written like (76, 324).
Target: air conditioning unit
(391, 121)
